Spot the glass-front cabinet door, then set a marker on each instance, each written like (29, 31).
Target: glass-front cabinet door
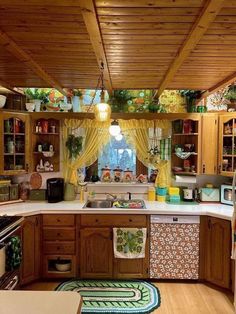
(227, 145)
(14, 143)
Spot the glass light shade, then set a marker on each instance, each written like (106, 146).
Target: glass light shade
(119, 137)
(102, 112)
(114, 129)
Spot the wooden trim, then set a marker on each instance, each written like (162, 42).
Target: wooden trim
(11, 46)
(9, 87)
(223, 83)
(92, 25)
(201, 25)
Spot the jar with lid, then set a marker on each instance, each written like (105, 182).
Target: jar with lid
(128, 175)
(117, 174)
(106, 174)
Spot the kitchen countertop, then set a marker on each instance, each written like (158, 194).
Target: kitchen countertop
(76, 207)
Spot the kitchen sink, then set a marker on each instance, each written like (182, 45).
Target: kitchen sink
(98, 204)
(129, 204)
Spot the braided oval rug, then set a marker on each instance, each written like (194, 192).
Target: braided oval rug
(115, 296)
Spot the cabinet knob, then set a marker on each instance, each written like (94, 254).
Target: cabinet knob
(96, 220)
(203, 168)
(58, 234)
(130, 220)
(58, 248)
(58, 220)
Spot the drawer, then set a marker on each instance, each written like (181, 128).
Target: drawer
(58, 220)
(58, 247)
(114, 220)
(58, 234)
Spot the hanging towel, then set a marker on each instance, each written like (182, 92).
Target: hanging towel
(129, 242)
(13, 253)
(165, 149)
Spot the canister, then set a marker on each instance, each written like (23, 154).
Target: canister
(161, 191)
(161, 198)
(151, 193)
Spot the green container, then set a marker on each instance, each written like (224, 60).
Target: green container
(37, 195)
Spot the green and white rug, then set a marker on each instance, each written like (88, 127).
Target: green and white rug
(114, 296)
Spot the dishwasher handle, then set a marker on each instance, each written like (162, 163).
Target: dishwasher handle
(175, 219)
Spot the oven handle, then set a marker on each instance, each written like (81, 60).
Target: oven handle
(9, 234)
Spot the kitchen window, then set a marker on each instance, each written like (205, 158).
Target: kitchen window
(117, 153)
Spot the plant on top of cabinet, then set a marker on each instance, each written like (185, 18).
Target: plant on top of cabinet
(191, 96)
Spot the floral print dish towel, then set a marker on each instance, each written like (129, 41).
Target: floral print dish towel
(129, 242)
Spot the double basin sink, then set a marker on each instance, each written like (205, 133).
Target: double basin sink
(129, 204)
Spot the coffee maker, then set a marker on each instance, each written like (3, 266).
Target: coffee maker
(55, 190)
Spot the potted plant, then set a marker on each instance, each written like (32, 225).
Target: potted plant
(191, 96)
(76, 94)
(74, 145)
(231, 97)
(38, 96)
(119, 100)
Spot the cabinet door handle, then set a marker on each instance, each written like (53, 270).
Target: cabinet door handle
(58, 248)
(58, 220)
(219, 168)
(209, 224)
(203, 168)
(130, 220)
(58, 234)
(96, 220)
(27, 167)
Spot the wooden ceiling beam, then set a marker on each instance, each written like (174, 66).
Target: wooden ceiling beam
(206, 17)
(92, 25)
(10, 45)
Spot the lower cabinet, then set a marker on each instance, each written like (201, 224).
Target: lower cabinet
(30, 267)
(215, 251)
(96, 255)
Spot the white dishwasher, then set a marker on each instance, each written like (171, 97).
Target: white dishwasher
(174, 248)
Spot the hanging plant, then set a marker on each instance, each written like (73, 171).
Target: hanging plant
(74, 145)
(119, 100)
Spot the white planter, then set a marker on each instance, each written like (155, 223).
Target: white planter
(76, 104)
(37, 103)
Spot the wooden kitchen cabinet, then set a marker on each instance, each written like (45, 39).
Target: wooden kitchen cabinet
(186, 145)
(14, 143)
(96, 253)
(31, 248)
(59, 235)
(227, 144)
(97, 237)
(209, 141)
(215, 249)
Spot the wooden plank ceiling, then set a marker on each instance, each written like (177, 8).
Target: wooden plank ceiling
(139, 40)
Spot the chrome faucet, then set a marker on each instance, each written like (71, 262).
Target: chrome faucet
(112, 195)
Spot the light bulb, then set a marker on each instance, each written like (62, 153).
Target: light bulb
(102, 112)
(119, 137)
(114, 128)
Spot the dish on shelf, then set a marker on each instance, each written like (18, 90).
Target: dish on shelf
(47, 153)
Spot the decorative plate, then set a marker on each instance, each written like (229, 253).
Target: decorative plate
(35, 180)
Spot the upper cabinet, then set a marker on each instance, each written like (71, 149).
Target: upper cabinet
(227, 144)
(209, 141)
(14, 143)
(186, 145)
(45, 148)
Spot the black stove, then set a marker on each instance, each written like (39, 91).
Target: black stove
(7, 223)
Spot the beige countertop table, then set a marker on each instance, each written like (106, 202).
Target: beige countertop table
(40, 302)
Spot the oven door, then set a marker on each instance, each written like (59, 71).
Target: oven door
(10, 270)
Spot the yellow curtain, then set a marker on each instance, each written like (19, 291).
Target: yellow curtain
(96, 136)
(136, 134)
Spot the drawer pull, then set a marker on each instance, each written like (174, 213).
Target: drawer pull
(58, 220)
(130, 220)
(96, 220)
(58, 234)
(58, 248)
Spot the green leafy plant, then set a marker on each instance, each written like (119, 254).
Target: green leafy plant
(156, 106)
(231, 93)
(74, 145)
(36, 93)
(119, 100)
(191, 96)
(77, 92)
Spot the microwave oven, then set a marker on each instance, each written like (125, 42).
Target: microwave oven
(226, 194)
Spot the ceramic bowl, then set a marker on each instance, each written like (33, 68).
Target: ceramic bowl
(2, 101)
(30, 106)
(63, 267)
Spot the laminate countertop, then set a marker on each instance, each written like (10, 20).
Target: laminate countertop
(40, 302)
(152, 208)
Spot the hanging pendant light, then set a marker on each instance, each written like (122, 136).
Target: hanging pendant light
(102, 110)
(119, 137)
(114, 128)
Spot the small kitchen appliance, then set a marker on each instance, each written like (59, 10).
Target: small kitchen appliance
(188, 195)
(226, 194)
(55, 190)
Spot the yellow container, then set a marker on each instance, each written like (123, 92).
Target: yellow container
(151, 194)
(173, 190)
(161, 198)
